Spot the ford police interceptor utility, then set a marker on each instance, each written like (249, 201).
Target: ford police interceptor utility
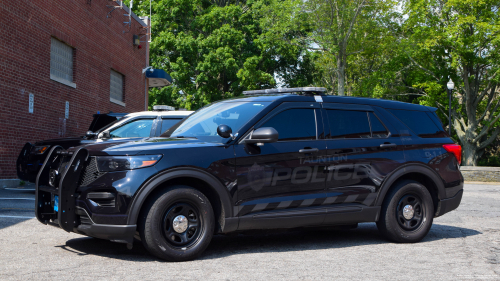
(280, 158)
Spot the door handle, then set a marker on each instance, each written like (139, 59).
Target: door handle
(388, 145)
(308, 150)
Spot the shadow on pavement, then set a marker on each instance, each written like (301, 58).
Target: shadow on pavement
(265, 241)
(14, 211)
(7, 222)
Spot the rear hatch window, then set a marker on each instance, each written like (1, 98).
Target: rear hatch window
(420, 122)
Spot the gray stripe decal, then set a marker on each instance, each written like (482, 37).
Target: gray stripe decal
(307, 202)
(284, 204)
(259, 207)
(351, 198)
(369, 199)
(330, 200)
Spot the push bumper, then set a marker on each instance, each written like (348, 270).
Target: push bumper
(449, 204)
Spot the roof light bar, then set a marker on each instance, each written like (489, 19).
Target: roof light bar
(305, 90)
(163, 108)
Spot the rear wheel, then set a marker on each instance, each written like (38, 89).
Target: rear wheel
(178, 224)
(407, 213)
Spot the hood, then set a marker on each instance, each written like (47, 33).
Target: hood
(144, 146)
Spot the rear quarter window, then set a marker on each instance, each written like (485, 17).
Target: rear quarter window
(420, 123)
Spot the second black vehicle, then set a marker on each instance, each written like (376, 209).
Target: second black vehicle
(280, 158)
(104, 128)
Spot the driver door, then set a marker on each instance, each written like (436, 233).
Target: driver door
(287, 175)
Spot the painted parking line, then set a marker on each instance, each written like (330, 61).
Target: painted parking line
(22, 189)
(17, 217)
(32, 199)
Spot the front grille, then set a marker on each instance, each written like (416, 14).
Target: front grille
(91, 173)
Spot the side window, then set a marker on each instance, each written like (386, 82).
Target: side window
(294, 124)
(347, 124)
(378, 129)
(167, 123)
(419, 122)
(136, 129)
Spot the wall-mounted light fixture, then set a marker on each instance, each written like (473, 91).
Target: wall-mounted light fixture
(136, 41)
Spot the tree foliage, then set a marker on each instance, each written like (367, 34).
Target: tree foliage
(457, 39)
(217, 49)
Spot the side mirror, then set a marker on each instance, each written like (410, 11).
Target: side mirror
(263, 135)
(90, 134)
(224, 131)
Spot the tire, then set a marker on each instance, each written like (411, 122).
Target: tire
(394, 225)
(190, 235)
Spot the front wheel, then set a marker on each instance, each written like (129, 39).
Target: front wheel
(178, 224)
(407, 213)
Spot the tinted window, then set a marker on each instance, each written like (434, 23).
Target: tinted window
(136, 129)
(378, 129)
(294, 124)
(346, 124)
(419, 122)
(168, 123)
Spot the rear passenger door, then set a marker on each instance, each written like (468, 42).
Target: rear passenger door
(362, 149)
(285, 175)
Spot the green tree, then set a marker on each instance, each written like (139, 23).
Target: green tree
(457, 39)
(344, 28)
(215, 50)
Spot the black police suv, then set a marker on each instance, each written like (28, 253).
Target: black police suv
(104, 127)
(280, 158)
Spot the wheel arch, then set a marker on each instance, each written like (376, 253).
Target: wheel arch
(208, 184)
(417, 172)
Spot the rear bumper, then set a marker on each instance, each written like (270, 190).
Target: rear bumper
(449, 204)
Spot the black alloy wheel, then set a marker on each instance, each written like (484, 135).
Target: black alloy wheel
(182, 224)
(407, 212)
(410, 212)
(177, 223)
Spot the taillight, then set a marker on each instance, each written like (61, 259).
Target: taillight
(456, 150)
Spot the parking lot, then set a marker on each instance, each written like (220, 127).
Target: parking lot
(462, 245)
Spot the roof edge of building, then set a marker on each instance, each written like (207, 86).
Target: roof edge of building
(134, 16)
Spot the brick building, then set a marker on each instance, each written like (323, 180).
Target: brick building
(61, 61)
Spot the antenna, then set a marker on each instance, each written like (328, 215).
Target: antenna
(150, 23)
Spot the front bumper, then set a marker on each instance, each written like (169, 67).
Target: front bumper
(67, 215)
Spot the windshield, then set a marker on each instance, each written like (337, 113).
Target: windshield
(203, 123)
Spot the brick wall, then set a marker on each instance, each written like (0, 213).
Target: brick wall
(26, 28)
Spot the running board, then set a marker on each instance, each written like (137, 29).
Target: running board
(310, 216)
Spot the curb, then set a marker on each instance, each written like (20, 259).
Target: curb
(482, 182)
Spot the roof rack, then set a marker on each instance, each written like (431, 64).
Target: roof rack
(303, 90)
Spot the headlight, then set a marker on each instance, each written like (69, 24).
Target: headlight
(40, 149)
(120, 163)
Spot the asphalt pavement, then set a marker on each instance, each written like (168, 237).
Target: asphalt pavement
(462, 245)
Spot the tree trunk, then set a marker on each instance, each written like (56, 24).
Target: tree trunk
(470, 154)
(341, 63)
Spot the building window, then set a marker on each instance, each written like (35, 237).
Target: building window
(61, 62)
(116, 88)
